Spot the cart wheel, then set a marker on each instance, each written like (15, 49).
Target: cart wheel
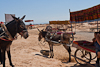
(80, 54)
(93, 55)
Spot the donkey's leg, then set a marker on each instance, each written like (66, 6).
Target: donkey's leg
(3, 57)
(0, 57)
(9, 56)
(51, 50)
(69, 51)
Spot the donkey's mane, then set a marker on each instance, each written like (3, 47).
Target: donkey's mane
(10, 22)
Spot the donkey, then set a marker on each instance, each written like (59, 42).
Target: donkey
(51, 39)
(13, 27)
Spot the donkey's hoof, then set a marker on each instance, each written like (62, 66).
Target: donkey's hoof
(12, 65)
(69, 61)
(51, 57)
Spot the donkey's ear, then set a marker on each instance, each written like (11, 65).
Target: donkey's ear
(38, 30)
(14, 17)
(23, 17)
(18, 17)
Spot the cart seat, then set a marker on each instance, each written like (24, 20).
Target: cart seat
(83, 45)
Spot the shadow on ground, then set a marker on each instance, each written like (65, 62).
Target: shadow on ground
(42, 55)
(84, 65)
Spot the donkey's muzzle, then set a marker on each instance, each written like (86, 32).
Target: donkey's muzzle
(39, 39)
(26, 35)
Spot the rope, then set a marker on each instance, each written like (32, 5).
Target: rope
(41, 43)
(8, 39)
(40, 46)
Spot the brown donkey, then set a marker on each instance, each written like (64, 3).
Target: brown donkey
(62, 38)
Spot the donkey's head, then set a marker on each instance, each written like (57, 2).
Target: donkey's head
(42, 34)
(21, 29)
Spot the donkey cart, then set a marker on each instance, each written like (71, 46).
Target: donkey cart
(84, 52)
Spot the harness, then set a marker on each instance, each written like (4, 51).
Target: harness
(52, 35)
(7, 36)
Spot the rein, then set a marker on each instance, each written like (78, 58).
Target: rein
(8, 39)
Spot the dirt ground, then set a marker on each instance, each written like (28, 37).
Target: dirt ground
(26, 52)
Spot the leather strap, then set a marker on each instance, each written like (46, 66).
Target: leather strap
(7, 32)
(61, 36)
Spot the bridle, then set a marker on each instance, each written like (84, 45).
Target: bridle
(22, 32)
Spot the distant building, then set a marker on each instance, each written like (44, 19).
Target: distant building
(59, 22)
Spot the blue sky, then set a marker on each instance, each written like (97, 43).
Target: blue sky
(43, 11)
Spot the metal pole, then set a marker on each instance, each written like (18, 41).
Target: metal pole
(75, 26)
(97, 25)
(71, 27)
(69, 21)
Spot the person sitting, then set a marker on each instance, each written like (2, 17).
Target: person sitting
(93, 40)
(96, 42)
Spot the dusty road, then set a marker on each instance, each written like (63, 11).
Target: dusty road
(26, 52)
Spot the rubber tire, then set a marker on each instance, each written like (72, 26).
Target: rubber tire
(80, 58)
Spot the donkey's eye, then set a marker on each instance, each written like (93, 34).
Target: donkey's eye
(22, 26)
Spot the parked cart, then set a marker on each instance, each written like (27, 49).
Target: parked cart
(83, 52)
